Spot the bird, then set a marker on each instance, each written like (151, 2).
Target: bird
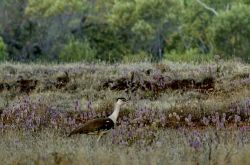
(100, 126)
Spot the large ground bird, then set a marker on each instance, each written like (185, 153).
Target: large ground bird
(100, 126)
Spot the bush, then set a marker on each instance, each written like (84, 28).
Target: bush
(76, 51)
(3, 53)
(139, 57)
(231, 32)
(191, 55)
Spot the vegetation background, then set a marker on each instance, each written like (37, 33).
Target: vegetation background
(123, 30)
(182, 64)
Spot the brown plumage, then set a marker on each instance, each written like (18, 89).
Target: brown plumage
(94, 126)
(101, 125)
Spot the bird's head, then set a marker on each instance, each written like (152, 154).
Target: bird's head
(121, 101)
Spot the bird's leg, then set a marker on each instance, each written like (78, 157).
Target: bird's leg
(100, 135)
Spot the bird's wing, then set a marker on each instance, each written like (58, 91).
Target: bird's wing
(94, 125)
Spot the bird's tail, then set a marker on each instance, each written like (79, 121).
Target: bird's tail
(75, 131)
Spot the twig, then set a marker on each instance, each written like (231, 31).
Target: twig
(207, 7)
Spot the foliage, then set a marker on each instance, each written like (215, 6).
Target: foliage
(134, 58)
(192, 33)
(49, 8)
(22, 35)
(191, 55)
(115, 29)
(231, 32)
(107, 45)
(76, 51)
(3, 53)
(141, 24)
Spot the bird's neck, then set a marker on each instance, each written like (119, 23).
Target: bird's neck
(115, 114)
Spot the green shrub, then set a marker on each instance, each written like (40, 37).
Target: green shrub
(231, 32)
(139, 57)
(191, 55)
(76, 51)
(3, 53)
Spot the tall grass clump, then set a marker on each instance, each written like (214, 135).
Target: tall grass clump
(190, 55)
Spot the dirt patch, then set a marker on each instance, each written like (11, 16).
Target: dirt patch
(62, 81)
(159, 83)
(20, 86)
(4, 86)
(26, 86)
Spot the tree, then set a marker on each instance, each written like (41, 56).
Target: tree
(142, 25)
(231, 32)
(114, 30)
(20, 33)
(76, 51)
(194, 18)
(48, 8)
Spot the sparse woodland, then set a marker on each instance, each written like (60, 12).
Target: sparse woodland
(120, 30)
(182, 65)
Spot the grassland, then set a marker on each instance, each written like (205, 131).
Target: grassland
(178, 113)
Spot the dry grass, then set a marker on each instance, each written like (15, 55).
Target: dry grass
(166, 142)
(48, 147)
